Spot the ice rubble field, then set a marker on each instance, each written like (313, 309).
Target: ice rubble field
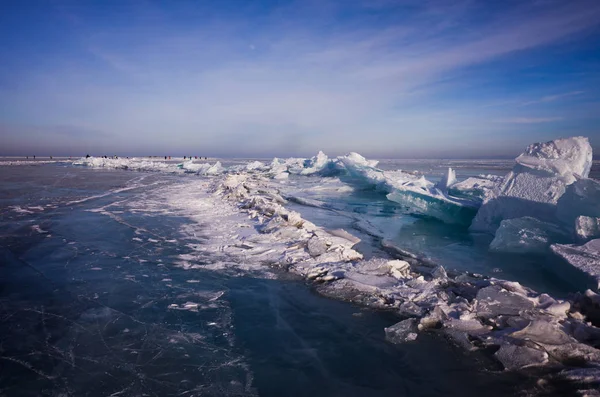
(546, 203)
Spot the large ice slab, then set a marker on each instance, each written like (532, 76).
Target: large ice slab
(585, 257)
(536, 183)
(526, 235)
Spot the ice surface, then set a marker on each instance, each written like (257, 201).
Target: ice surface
(585, 257)
(536, 182)
(526, 235)
(29, 162)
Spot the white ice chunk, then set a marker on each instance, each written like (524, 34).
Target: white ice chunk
(255, 165)
(357, 159)
(536, 182)
(585, 257)
(587, 227)
(526, 235)
(568, 157)
(315, 164)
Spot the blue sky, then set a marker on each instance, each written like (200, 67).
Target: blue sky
(385, 78)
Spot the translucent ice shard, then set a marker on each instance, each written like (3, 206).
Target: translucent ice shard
(447, 180)
(416, 193)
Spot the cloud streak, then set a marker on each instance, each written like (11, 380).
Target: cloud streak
(552, 98)
(530, 120)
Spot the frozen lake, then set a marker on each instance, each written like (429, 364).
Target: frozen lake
(95, 299)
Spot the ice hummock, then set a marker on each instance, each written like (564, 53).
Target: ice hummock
(142, 164)
(536, 183)
(136, 164)
(415, 193)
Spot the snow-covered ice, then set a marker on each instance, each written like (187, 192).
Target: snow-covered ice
(536, 183)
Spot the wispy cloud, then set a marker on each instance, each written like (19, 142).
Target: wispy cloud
(530, 120)
(552, 98)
